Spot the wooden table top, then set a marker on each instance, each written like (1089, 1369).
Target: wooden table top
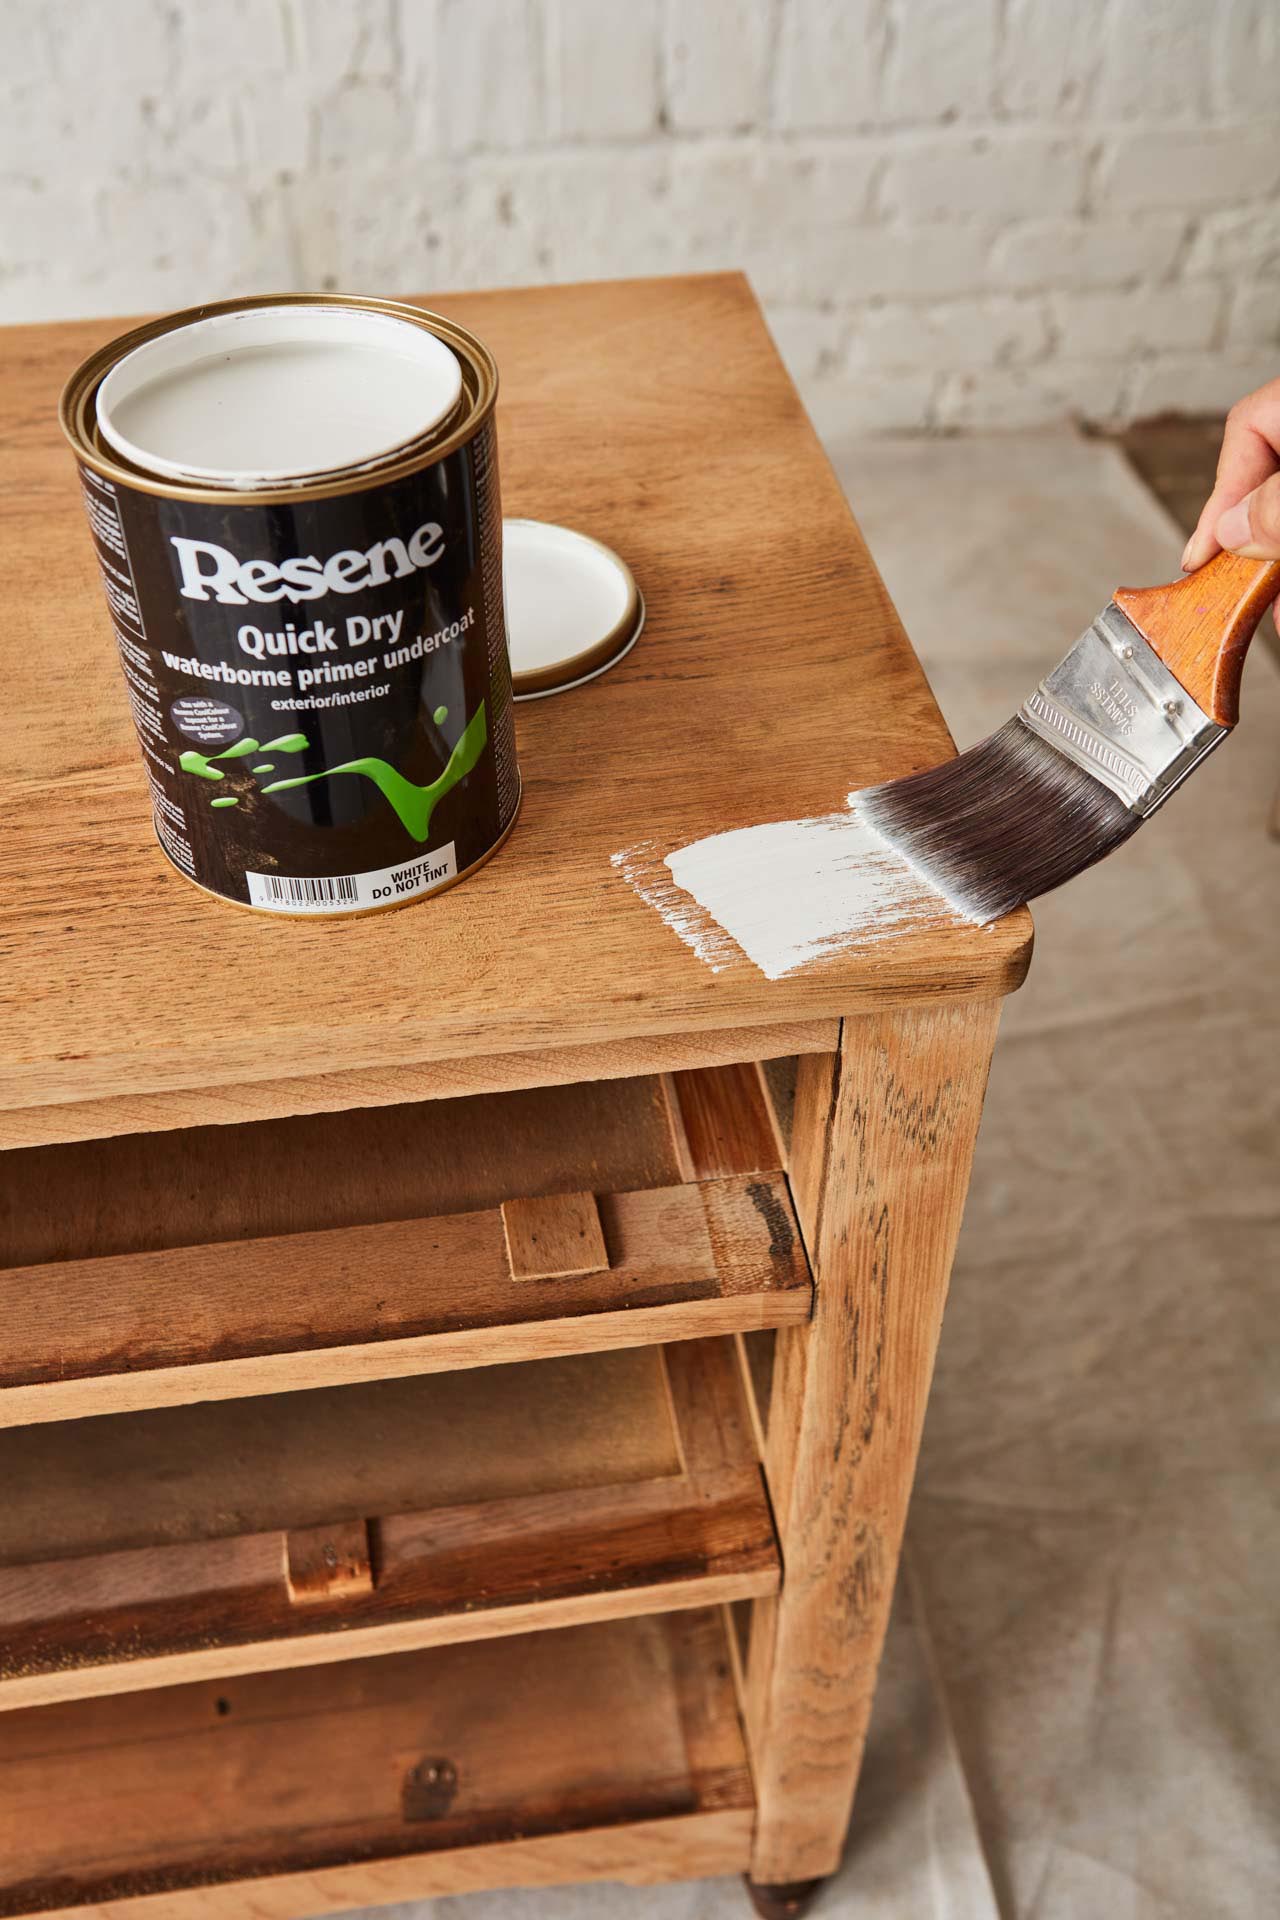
(772, 676)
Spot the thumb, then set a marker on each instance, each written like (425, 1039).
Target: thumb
(1252, 526)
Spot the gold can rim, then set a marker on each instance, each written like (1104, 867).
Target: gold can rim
(480, 382)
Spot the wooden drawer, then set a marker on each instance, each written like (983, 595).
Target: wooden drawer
(139, 1550)
(608, 1751)
(154, 1270)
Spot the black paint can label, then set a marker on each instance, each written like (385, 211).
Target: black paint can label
(318, 675)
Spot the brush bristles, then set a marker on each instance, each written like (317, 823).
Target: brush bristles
(1008, 820)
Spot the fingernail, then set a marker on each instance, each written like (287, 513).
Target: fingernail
(1197, 550)
(1233, 528)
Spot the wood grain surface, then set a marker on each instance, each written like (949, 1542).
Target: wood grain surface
(772, 676)
(881, 1145)
(723, 1122)
(640, 1853)
(328, 1563)
(177, 1475)
(555, 1237)
(137, 1193)
(283, 1794)
(252, 1101)
(531, 1497)
(302, 1310)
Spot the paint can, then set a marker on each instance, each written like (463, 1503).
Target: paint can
(295, 506)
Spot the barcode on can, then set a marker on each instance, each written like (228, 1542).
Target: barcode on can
(341, 893)
(272, 890)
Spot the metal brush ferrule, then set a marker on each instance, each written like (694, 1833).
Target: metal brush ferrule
(1114, 708)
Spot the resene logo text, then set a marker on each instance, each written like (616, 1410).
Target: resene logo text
(209, 571)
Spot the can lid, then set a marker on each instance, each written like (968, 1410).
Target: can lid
(273, 394)
(573, 607)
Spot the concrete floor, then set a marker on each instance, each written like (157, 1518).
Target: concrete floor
(1079, 1714)
(1098, 1521)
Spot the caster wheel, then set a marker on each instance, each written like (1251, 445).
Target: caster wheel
(783, 1901)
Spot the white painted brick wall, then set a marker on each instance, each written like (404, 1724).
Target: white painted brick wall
(957, 212)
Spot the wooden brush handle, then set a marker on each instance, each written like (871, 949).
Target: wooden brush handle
(1201, 626)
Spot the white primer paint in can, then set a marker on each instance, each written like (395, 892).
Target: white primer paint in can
(259, 396)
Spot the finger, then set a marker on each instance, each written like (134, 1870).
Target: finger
(1252, 526)
(1249, 455)
(1251, 460)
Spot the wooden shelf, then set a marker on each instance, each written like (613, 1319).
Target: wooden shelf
(147, 1549)
(609, 1751)
(224, 1262)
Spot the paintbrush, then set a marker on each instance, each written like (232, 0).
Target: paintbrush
(1150, 689)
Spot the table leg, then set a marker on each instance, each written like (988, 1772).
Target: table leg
(881, 1148)
(789, 1902)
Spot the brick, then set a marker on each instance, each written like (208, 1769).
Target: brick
(32, 44)
(811, 340)
(352, 229)
(211, 43)
(1190, 167)
(1049, 58)
(1244, 55)
(1109, 324)
(201, 221)
(126, 49)
(941, 60)
(481, 221)
(1074, 252)
(850, 406)
(950, 334)
(830, 58)
(1238, 244)
(193, 135)
(30, 119)
(1156, 60)
(731, 201)
(275, 127)
(1255, 318)
(604, 67)
(908, 262)
(111, 73)
(487, 62)
(703, 199)
(363, 117)
(578, 199)
(34, 209)
(717, 64)
(1198, 383)
(340, 40)
(1010, 397)
(996, 177)
(961, 212)
(60, 295)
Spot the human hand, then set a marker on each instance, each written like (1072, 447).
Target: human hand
(1243, 511)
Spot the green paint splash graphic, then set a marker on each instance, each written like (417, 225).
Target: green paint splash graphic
(414, 805)
(193, 762)
(202, 764)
